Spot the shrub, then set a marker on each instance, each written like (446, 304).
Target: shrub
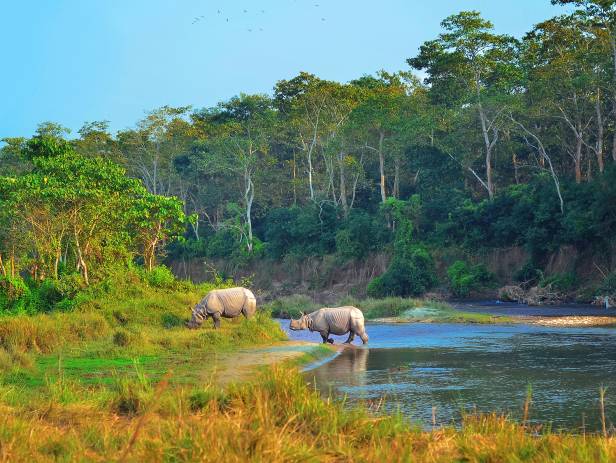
(15, 295)
(291, 306)
(121, 338)
(464, 278)
(609, 285)
(131, 396)
(160, 277)
(410, 274)
(560, 281)
(171, 320)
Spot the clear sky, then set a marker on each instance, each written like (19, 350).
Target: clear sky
(71, 61)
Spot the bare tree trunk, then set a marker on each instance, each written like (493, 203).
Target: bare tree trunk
(382, 166)
(249, 196)
(294, 179)
(614, 145)
(489, 147)
(397, 177)
(343, 193)
(81, 263)
(578, 159)
(514, 159)
(599, 142)
(538, 145)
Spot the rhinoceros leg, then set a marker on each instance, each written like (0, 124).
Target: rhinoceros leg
(351, 337)
(216, 317)
(326, 338)
(364, 337)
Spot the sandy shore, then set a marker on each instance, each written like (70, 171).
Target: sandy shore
(569, 321)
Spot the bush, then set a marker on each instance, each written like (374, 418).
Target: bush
(609, 285)
(563, 282)
(360, 235)
(171, 320)
(411, 274)
(464, 278)
(15, 295)
(160, 277)
(291, 306)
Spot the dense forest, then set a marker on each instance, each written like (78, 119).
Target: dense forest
(484, 141)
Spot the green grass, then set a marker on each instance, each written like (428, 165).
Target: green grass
(403, 310)
(406, 310)
(89, 394)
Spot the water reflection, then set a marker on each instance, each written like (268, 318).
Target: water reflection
(459, 368)
(348, 368)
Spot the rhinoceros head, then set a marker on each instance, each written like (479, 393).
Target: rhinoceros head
(299, 324)
(196, 320)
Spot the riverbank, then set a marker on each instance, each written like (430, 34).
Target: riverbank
(120, 378)
(389, 310)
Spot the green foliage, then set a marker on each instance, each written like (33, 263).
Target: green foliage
(564, 282)
(465, 279)
(359, 235)
(70, 210)
(15, 295)
(608, 286)
(160, 277)
(409, 274)
(291, 306)
(301, 231)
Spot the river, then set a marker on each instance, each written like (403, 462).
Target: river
(427, 370)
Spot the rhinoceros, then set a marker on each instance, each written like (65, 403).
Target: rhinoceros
(227, 303)
(333, 320)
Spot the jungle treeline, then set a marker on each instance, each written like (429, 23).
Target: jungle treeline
(482, 140)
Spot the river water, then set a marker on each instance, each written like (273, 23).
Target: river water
(442, 370)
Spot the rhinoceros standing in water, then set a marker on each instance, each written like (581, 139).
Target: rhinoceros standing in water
(337, 320)
(228, 303)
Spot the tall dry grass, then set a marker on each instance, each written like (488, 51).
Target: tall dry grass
(276, 418)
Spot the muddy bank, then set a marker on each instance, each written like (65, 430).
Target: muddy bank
(242, 365)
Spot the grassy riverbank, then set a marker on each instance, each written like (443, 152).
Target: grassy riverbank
(120, 379)
(275, 418)
(390, 309)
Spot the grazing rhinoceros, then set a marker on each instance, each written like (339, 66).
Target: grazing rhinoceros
(337, 320)
(228, 303)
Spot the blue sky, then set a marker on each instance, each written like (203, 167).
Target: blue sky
(71, 61)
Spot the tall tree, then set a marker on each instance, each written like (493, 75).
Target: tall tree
(469, 66)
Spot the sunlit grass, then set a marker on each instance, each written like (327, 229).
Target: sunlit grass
(274, 418)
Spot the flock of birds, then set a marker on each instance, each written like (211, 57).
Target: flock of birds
(221, 14)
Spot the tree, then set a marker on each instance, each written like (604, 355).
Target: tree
(241, 149)
(469, 67)
(81, 210)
